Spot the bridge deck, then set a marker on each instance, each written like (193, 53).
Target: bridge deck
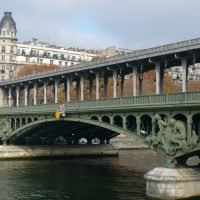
(189, 45)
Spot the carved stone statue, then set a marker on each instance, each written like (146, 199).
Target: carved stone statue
(5, 129)
(172, 136)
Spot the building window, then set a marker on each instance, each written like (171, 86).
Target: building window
(23, 52)
(62, 57)
(41, 60)
(33, 52)
(55, 56)
(27, 59)
(12, 34)
(2, 78)
(4, 33)
(12, 68)
(3, 50)
(66, 63)
(18, 51)
(3, 57)
(51, 62)
(11, 58)
(60, 63)
(2, 68)
(12, 49)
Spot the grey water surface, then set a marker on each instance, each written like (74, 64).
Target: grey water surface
(116, 178)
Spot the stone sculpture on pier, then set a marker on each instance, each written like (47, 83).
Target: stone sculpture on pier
(5, 129)
(172, 136)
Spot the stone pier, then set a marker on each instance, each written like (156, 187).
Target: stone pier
(172, 183)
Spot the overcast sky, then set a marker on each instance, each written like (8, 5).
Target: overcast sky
(97, 24)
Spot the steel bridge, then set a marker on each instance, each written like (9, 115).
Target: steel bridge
(26, 123)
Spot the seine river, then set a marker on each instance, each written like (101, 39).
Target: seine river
(116, 178)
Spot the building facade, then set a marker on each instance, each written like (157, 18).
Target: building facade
(14, 55)
(8, 46)
(36, 52)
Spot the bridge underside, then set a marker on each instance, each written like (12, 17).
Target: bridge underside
(62, 132)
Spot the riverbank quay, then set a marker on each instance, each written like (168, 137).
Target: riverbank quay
(54, 151)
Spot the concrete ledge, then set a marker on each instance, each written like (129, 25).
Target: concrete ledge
(12, 152)
(167, 183)
(129, 144)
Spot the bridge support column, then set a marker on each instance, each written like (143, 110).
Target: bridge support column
(25, 95)
(122, 85)
(105, 86)
(114, 83)
(56, 91)
(82, 87)
(124, 123)
(158, 78)
(68, 89)
(140, 83)
(138, 122)
(9, 96)
(97, 84)
(3, 98)
(45, 92)
(111, 121)
(185, 74)
(153, 120)
(20, 122)
(17, 96)
(189, 129)
(35, 94)
(65, 92)
(91, 86)
(134, 81)
(15, 123)
(77, 89)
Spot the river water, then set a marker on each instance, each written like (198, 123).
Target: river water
(116, 178)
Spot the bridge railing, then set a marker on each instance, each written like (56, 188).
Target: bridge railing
(103, 104)
(175, 98)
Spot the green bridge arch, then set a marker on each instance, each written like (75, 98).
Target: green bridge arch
(112, 129)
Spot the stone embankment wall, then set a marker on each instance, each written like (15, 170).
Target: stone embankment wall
(7, 152)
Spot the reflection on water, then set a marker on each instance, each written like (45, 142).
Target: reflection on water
(78, 179)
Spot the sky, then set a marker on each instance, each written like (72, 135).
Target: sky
(97, 24)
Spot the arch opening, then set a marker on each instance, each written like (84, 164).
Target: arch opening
(181, 117)
(23, 121)
(146, 125)
(106, 119)
(131, 123)
(61, 132)
(94, 118)
(118, 121)
(196, 125)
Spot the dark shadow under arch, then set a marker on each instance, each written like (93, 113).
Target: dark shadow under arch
(105, 119)
(118, 121)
